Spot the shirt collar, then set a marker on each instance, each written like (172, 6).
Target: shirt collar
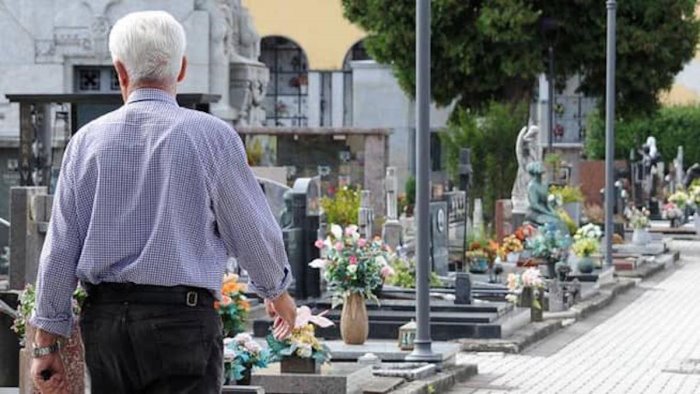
(150, 94)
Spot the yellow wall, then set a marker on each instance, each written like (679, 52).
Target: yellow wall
(685, 93)
(317, 26)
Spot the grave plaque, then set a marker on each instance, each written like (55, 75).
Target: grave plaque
(439, 246)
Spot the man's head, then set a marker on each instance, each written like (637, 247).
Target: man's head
(148, 50)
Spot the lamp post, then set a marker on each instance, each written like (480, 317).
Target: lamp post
(610, 131)
(422, 345)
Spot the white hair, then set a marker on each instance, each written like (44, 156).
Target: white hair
(150, 44)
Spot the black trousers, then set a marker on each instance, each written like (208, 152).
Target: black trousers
(136, 341)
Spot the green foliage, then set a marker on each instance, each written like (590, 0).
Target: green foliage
(568, 221)
(491, 138)
(567, 194)
(494, 50)
(672, 127)
(405, 274)
(343, 208)
(411, 190)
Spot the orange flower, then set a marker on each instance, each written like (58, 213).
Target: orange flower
(230, 287)
(245, 305)
(226, 300)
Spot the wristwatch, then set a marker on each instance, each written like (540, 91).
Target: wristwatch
(45, 350)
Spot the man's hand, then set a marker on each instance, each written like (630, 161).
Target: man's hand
(284, 310)
(48, 374)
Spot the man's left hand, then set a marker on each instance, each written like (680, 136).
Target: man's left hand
(49, 364)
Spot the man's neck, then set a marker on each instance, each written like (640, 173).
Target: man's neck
(170, 89)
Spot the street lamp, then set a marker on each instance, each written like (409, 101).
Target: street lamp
(610, 131)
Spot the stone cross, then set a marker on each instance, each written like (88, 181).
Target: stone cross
(365, 215)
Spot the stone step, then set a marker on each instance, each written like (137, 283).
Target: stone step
(498, 308)
(406, 316)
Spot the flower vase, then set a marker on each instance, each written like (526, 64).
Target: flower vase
(245, 380)
(640, 236)
(354, 323)
(478, 266)
(296, 364)
(585, 265)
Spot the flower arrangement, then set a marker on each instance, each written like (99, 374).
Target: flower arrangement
(27, 301)
(567, 194)
(510, 244)
(591, 231)
(680, 198)
(549, 243)
(585, 247)
(303, 342)
(672, 211)
(694, 194)
(638, 219)
(241, 354)
(352, 264)
(487, 249)
(233, 307)
(524, 232)
(530, 279)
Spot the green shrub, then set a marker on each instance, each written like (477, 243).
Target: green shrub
(405, 274)
(343, 208)
(491, 137)
(671, 126)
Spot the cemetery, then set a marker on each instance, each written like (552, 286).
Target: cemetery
(498, 269)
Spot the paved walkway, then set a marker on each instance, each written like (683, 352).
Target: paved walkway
(648, 341)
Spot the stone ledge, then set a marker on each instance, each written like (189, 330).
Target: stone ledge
(440, 382)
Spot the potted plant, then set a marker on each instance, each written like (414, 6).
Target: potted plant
(550, 245)
(354, 268)
(511, 248)
(71, 348)
(674, 213)
(481, 255)
(639, 221)
(527, 290)
(241, 355)
(586, 242)
(233, 307)
(302, 352)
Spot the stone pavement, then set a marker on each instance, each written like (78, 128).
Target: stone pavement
(646, 342)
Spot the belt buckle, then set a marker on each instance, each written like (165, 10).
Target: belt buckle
(192, 297)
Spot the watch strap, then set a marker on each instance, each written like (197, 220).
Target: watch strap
(41, 351)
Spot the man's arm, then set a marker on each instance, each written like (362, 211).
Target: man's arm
(56, 279)
(246, 223)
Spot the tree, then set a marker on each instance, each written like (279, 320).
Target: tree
(491, 137)
(494, 50)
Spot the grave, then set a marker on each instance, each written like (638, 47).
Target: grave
(336, 378)
(439, 246)
(392, 230)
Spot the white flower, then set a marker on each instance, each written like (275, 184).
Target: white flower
(352, 269)
(336, 231)
(304, 351)
(252, 347)
(512, 298)
(243, 338)
(318, 263)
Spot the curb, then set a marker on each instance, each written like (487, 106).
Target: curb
(440, 382)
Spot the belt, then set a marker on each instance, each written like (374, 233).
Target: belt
(110, 293)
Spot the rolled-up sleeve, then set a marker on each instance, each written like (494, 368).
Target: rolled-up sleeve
(56, 279)
(246, 223)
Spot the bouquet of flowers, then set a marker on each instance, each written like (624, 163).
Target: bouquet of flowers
(303, 342)
(589, 231)
(530, 279)
(352, 264)
(549, 243)
(241, 354)
(234, 305)
(672, 211)
(638, 219)
(680, 198)
(585, 247)
(510, 244)
(524, 232)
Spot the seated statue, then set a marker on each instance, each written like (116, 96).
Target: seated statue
(540, 211)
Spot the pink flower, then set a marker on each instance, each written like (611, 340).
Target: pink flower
(304, 317)
(353, 260)
(338, 246)
(350, 230)
(387, 271)
(319, 243)
(361, 242)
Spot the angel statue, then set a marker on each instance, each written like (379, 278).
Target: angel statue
(527, 150)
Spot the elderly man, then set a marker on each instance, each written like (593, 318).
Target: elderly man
(151, 199)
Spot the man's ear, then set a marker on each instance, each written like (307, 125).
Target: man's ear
(183, 69)
(121, 73)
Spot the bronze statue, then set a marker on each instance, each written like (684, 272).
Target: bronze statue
(540, 211)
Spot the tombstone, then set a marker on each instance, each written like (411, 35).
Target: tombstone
(439, 242)
(300, 236)
(678, 165)
(365, 215)
(503, 219)
(478, 219)
(463, 289)
(556, 296)
(30, 210)
(392, 229)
